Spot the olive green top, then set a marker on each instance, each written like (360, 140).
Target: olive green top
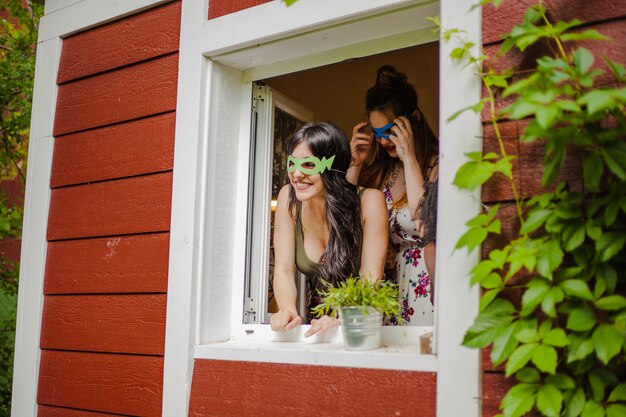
(303, 262)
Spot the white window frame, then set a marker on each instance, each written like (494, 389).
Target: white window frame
(214, 178)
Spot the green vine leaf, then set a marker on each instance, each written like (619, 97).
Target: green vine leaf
(488, 297)
(618, 393)
(593, 167)
(504, 343)
(556, 337)
(549, 400)
(577, 288)
(549, 258)
(609, 245)
(616, 410)
(581, 319)
(529, 375)
(580, 347)
(535, 220)
(611, 302)
(519, 400)
(472, 174)
(591, 34)
(576, 404)
(533, 296)
(619, 72)
(597, 386)
(615, 159)
(520, 357)
(545, 358)
(561, 381)
(554, 296)
(593, 409)
(607, 342)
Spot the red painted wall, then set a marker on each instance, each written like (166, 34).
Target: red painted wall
(219, 8)
(103, 325)
(609, 19)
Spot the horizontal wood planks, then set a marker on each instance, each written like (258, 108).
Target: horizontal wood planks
(131, 205)
(121, 384)
(124, 94)
(121, 150)
(219, 8)
(129, 323)
(48, 411)
(105, 286)
(236, 389)
(126, 264)
(120, 43)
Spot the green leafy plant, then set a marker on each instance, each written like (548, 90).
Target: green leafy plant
(360, 292)
(565, 340)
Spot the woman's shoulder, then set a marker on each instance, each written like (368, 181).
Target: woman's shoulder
(371, 197)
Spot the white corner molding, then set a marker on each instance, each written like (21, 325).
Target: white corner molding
(34, 242)
(187, 215)
(459, 376)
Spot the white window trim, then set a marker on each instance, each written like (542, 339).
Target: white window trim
(221, 172)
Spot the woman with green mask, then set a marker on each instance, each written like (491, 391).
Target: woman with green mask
(317, 229)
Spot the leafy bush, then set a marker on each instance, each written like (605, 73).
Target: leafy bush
(360, 292)
(565, 342)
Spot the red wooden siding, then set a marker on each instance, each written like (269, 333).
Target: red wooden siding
(47, 411)
(128, 93)
(128, 264)
(240, 389)
(219, 8)
(132, 205)
(127, 323)
(608, 19)
(122, 384)
(121, 150)
(142, 36)
(103, 322)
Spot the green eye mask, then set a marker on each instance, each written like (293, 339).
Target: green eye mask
(310, 165)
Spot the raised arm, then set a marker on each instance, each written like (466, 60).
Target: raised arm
(375, 234)
(284, 283)
(360, 145)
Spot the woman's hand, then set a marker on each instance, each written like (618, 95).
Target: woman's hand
(285, 320)
(403, 140)
(360, 144)
(319, 326)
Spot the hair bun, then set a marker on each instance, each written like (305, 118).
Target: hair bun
(387, 75)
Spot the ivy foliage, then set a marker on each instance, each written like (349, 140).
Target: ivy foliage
(18, 37)
(565, 342)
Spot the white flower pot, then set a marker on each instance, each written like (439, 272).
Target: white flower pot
(361, 328)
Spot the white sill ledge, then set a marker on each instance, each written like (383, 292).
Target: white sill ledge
(318, 351)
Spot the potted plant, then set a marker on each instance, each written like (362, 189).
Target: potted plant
(361, 305)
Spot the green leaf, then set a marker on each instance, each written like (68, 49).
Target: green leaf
(556, 337)
(555, 295)
(499, 256)
(549, 258)
(471, 175)
(491, 281)
(533, 295)
(528, 375)
(519, 400)
(618, 69)
(473, 238)
(593, 409)
(597, 386)
(611, 302)
(545, 358)
(609, 245)
(583, 60)
(488, 297)
(618, 393)
(615, 161)
(577, 288)
(607, 342)
(520, 357)
(482, 270)
(579, 348)
(535, 220)
(597, 100)
(592, 170)
(610, 213)
(590, 34)
(576, 404)
(504, 344)
(561, 381)
(549, 400)
(528, 336)
(581, 319)
(616, 410)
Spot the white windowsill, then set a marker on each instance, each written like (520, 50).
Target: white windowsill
(328, 350)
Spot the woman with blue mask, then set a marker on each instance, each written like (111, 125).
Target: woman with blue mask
(317, 229)
(400, 157)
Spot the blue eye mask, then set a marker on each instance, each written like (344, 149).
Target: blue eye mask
(310, 165)
(381, 132)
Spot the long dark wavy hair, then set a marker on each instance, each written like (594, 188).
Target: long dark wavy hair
(342, 206)
(393, 94)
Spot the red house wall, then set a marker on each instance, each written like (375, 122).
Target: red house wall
(103, 325)
(610, 19)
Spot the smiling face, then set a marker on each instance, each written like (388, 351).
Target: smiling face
(380, 120)
(305, 186)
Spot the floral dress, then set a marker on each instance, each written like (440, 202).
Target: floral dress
(409, 266)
